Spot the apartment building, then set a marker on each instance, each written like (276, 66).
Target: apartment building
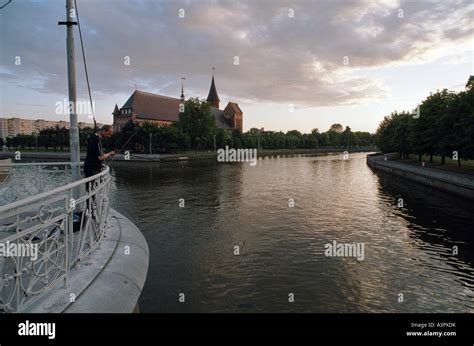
(10, 127)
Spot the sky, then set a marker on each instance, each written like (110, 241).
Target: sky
(288, 64)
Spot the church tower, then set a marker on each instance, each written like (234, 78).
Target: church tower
(213, 98)
(182, 90)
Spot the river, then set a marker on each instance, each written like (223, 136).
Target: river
(408, 263)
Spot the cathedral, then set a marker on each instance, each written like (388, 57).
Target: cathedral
(144, 107)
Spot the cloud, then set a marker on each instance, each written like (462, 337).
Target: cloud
(296, 60)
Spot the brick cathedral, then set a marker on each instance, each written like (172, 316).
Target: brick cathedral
(144, 107)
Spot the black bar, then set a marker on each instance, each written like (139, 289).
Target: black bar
(68, 23)
(262, 329)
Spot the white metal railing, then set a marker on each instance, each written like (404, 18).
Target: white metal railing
(20, 180)
(64, 224)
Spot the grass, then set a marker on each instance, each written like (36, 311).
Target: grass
(449, 165)
(449, 162)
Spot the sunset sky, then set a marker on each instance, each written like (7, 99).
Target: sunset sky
(351, 62)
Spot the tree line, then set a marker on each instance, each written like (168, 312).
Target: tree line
(48, 139)
(443, 125)
(196, 130)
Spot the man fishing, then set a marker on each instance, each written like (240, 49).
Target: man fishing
(95, 157)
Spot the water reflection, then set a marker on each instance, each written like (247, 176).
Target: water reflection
(408, 250)
(439, 224)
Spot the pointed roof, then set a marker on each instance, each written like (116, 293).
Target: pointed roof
(116, 110)
(234, 106)
(153, 106)
(213, 92)
(158, 107)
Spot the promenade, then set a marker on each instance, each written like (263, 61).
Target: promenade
(456, 182)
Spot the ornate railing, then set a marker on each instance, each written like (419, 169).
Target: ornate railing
(20, 180)
(45, 236)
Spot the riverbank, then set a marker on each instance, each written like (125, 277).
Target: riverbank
(192, 155)
(459, 183)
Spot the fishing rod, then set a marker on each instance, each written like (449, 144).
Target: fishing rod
(89, 88)
(123, 146)
(134, 155)
(96, 130)
(85, 67)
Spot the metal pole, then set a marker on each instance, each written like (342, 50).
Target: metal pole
(150, 143)
(71, 72)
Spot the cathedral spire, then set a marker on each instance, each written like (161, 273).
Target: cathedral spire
(182, 89)
(116, 110)
(213, 98)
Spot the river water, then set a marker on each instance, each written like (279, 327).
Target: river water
(408, 263)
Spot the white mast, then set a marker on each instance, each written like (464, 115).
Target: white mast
(71, 72)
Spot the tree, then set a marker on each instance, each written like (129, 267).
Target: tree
(171, 139)
(84, 135)
(334, 137)
(336, 127)
(198, 123)
(470, 83)
(401, 136)
(445, 127)
(348, 138)
(124, 139)
(462, 113)
(384, 134)
(293, 139)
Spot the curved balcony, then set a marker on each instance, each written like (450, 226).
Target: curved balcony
(59, 244)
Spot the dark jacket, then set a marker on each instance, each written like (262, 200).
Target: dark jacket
(92, 164)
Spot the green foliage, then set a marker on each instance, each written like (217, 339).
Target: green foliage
(137, 138)
(445, 125)
(296, 140)
(197, 123)
(84, 135)
(196, 130)
(53, 138)
(336, 128)
(470, 83)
